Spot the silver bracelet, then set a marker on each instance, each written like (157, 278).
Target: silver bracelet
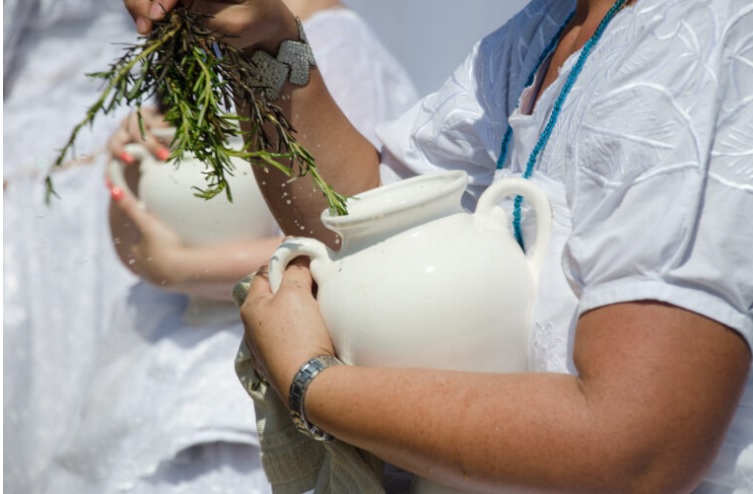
(292, 64)
(298, 388)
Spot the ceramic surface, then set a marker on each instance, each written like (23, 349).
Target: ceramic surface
(420, 282)
(168, 190)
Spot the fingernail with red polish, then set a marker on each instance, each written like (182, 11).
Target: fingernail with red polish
(116, 193)
(163, 154)
(127, 158)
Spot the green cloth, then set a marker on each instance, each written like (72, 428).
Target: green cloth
(295, 463)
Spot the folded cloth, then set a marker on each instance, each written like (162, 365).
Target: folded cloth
(295, 463)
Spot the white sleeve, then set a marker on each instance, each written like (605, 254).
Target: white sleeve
(665, 175)
(442, 131)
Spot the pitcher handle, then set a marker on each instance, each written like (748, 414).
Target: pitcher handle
(541, 207)
(292, 248)
(116, 168)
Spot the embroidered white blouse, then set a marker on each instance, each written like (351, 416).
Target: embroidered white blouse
(649, 169)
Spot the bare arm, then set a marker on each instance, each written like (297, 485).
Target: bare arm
(345, 158)
(656, 389)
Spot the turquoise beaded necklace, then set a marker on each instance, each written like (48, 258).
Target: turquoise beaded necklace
(559, 102)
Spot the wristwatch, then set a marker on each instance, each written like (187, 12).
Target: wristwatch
(298, 387)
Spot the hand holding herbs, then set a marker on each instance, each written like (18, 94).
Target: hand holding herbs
(197, 78)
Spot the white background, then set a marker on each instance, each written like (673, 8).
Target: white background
(432, 37)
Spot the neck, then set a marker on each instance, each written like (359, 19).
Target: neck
(306, 8)
(594, 8)
(588, 15)
(585, 5)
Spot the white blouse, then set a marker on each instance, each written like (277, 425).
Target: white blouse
(50, 47)
(649, 169)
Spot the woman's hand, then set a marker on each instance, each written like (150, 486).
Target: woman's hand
(147, 246)
(286, 329)
(156, 252)
(244, 23)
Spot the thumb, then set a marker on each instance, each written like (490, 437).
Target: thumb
(257, 285)
(298, 276)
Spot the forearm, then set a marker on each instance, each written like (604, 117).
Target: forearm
(212, 271)
(345, 159)
(633, 421)
(124, 235)
(436, 435)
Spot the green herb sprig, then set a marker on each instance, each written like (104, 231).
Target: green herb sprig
(198, 79)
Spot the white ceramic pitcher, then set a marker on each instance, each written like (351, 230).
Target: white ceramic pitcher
(418, 282)
(168, 192)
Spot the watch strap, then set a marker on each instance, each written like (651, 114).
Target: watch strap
(298, 388)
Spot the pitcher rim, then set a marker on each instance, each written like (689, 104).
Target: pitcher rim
(449, 180)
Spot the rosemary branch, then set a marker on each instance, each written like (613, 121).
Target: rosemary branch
(198, 79)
